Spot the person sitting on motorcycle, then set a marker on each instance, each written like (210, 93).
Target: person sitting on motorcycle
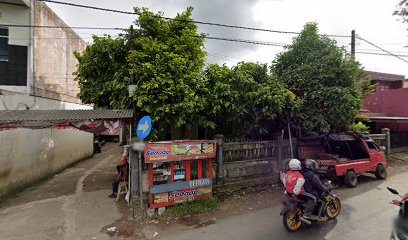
(403, 198)
(294, 182)
(313, 184)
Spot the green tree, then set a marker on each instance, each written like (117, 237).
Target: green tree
(244, 101)
(164, 57)
(361, 128)
(324, 79)
(402, 10)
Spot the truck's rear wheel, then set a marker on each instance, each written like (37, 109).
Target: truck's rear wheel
(380, 172)
(351, 179)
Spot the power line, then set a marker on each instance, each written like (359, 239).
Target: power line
(382, 54)
(57, 27)
(382, 49)
(197, 36)
(225, 57)
(189, 21)
(375, 50)
(245, 41)
(205, 37)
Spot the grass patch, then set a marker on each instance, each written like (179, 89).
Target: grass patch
(191, 208)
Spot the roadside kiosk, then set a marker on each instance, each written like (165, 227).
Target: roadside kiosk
(179, 171)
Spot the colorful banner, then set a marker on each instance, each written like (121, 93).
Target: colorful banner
(160, 198)
(188, 195)
(112, 128)
(177, 151)
(183, 185)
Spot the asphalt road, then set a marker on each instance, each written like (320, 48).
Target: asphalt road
(366, 214)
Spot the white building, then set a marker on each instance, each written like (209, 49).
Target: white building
(36, 66)
(36, 63)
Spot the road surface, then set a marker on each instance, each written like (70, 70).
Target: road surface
(366, 214)
(71, 205)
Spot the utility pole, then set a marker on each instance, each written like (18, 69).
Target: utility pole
(353, 45)
(135, 161)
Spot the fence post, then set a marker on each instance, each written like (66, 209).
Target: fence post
(386, 131)
(280, 150)
(220, 170)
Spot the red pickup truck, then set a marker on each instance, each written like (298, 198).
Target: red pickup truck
(345, 155)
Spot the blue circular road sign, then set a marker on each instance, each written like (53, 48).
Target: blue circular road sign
(144, 127)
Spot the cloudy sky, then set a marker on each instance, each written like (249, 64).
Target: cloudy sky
(372, 20)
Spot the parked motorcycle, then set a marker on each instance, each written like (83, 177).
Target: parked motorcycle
(292, 211)
(400, 228)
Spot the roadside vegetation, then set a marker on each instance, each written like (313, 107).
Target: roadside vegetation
(313, 83)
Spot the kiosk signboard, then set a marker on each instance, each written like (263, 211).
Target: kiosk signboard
(180, 171)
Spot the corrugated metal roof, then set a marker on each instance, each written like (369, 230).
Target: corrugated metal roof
(405, 119)
(10, 116)
(385, 76)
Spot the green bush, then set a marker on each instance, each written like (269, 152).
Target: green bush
(361, 128)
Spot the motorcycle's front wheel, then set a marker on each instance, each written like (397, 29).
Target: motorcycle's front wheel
(291, 219)
(333, 207)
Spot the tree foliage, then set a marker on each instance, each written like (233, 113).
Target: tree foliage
(163, 57)
(313, 78)
(402, 10)
(361, 128)
(323, 77)
(244, 101)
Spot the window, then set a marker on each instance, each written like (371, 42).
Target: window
(4, 49)
(193, 169)
(357, 149)
(180, 171)
(372, 145)
(206, 168)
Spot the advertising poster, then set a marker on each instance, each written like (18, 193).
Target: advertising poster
(176, 151)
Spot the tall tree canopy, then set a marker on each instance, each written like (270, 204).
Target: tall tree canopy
(163, 57)
(324, 79)
(402, 10)
(244, 101)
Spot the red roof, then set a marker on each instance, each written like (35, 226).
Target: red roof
(378, 76)
(391, 103)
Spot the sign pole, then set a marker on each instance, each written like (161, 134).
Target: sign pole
(142, 131)
(130, 165)
(141, 186)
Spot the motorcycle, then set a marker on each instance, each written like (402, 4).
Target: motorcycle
(292, 211)
(400, 227)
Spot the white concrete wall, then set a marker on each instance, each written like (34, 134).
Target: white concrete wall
(14, 14)
(20, 101)
(27, 156)
(54, 60)
(405, 84)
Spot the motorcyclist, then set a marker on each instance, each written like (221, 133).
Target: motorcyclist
(403, 198)
(313, 184)
(294, 183)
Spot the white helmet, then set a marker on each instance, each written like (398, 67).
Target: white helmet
(295, 165)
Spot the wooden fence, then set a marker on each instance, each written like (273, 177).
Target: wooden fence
(246, 164)
(243, 164)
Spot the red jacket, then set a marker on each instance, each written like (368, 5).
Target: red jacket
(294, 181)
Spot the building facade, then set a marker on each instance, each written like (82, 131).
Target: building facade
(36, 66)
(37, 63)
(387, 81)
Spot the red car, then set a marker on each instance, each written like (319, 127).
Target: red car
(345, 155)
